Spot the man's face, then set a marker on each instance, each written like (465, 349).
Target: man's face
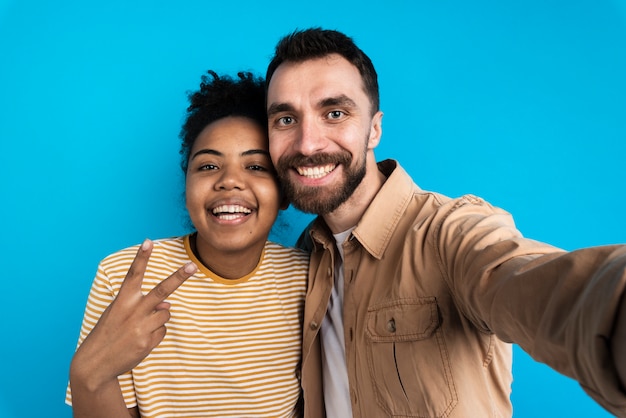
(321, 131)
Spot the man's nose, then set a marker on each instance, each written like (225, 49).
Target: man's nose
(311, 139)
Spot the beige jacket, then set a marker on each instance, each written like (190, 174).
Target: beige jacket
(436, 288)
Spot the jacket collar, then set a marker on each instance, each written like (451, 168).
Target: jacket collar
(381, 218)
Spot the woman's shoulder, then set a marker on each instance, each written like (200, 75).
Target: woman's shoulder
(280, 248)
(161, 247)
(277, 250)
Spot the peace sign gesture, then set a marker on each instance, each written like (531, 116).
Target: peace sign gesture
(128, 330)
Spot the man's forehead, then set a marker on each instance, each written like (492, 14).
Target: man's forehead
(332, 63)
(315, 79)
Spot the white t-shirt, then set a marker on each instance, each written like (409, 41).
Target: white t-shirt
(335, 370)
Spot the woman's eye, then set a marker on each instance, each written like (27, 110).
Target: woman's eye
(257, 167)
(206, 167)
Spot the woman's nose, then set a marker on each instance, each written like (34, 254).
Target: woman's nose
(230, 178)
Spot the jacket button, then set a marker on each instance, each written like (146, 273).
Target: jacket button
(391, 325)
(313, 325)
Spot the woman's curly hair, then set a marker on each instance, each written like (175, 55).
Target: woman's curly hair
(219, 97)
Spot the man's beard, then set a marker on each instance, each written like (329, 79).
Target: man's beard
(320, 200)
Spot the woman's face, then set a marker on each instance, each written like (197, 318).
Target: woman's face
(232, 192)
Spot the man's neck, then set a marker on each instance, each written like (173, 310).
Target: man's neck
(350, 212)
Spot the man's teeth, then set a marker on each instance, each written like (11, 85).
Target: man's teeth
(316, 172)
(230, 212)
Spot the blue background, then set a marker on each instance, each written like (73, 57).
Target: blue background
(520, 102)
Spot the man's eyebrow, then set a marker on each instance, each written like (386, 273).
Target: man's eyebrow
(341, 100)
(279, 107)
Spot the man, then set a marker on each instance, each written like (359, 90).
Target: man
(413, 297)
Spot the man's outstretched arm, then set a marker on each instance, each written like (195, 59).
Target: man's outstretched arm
(618, 343)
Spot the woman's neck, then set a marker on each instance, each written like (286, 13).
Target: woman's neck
(230, 265)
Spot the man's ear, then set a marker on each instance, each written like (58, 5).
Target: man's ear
(376, 130)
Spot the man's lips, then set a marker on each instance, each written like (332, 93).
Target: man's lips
(316, 172)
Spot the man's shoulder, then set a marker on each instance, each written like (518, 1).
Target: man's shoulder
(305, 241)
(399, 179)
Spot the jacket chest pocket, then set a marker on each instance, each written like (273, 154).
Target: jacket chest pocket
(407, 359)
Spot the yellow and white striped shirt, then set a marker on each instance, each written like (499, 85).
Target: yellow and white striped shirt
(232, 347)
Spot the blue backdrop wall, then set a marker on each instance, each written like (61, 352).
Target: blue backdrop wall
(520, 102)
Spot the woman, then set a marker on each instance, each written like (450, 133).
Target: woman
(234, 309)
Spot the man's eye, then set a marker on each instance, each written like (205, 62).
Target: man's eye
(285, 120)
(335, 114)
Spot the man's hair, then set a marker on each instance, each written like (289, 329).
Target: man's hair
(303, 45)
(218, 98)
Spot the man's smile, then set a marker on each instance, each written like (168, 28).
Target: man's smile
(317, 171)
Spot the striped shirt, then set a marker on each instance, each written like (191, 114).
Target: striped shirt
(232, 347)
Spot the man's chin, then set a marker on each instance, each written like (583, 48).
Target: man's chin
(305, 202)
(316, 204)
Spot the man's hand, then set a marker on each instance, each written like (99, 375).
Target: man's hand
(130, 328)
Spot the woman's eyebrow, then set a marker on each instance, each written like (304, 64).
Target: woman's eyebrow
(206, 151)
(256, 151)
(219, 154)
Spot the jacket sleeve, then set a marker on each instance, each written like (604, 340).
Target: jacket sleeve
(563, 308)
